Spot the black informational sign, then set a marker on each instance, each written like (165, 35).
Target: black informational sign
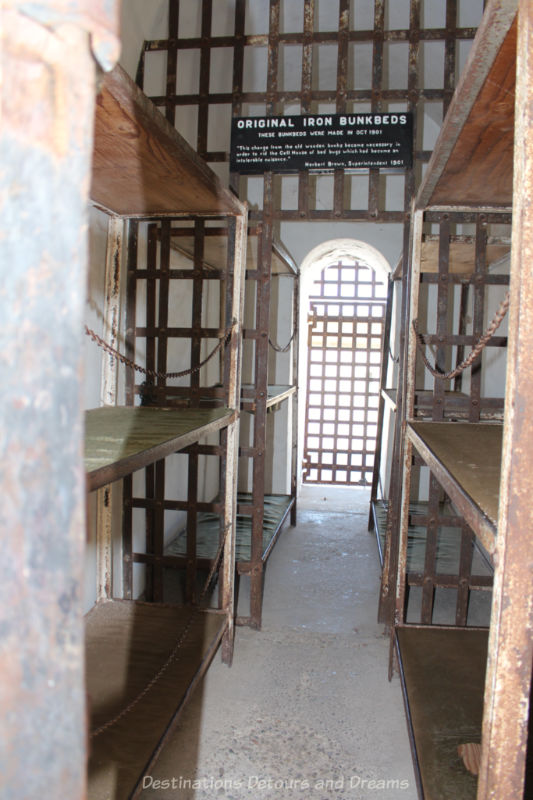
(321, 142)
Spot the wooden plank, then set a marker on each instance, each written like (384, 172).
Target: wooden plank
(472, 159)
(215, 252)
(465, 458)
(127, 643)
(119, 440)
(462, 256)
(142, 166)
(443, 678)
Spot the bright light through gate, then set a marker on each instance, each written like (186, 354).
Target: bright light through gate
(345, 334)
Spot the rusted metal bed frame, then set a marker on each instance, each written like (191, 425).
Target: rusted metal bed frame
(155, 179)
(471, 172)
(463, 261)
(203, 246)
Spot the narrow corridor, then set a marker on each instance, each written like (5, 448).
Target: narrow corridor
(306, 711)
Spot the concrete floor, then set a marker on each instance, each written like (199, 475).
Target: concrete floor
(306, 710)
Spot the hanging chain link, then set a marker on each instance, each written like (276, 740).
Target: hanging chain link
(152, 373)
(278, 347)
(175, 652)
(393, 358)
(479, 346)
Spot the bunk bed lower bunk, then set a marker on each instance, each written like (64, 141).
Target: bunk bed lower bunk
(276, 508)
(143, 660)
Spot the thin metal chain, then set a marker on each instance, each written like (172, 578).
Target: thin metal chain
(393, 358)
(480, 344)
(152, 373)
(278, 347)
(175, 652)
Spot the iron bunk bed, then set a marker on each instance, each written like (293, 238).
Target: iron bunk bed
(261, 514)
(145, 658)
(462, 685)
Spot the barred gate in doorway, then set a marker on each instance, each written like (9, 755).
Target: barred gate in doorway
(345, 335)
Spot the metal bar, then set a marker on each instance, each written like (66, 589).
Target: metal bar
(507, 692)
(449, 54)
(306, 97)
(381, 407)
(131, 294)
(478, 325)
(407, 413)
(320, 37)
(151, 336)
(377, 86)
(172, 60)
(151, 332)
(396, 530)
(149, 527)
(45, 150)
(158, 516)
(295, 398)
(340, 103)
(463, 311)
(109, 387)
(430, 558)
(238, 75)
(127, 538)
(129, 345)
(205, 63)
(259, 418)
(443, 295)
(465, 575)
(236, 266)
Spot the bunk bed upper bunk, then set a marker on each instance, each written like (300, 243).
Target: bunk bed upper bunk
(122, 439)
(472, 162)
(142, 167)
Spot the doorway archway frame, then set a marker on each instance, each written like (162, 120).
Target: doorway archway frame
(326, 254)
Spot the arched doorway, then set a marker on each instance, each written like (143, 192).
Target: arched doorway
(344, 290)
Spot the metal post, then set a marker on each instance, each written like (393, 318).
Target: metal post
(107, 496)
(505, 721)
(48, 93)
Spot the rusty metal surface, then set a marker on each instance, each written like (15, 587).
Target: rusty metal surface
(99, 18)
(295, 399)
(385, 351)
(45, 149)
(395, 555)
(107, 497)
(438, 402)
(505, 721)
